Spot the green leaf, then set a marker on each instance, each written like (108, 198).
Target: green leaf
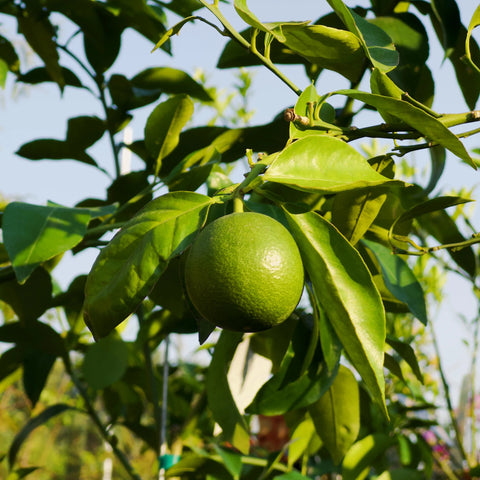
(323, 164)
(49, 148)
(362, 454)
(40, 34)
(427, 125)
(32, 424)
(84, 131)
(346, 291)
(220, 399)
(130, 265)
(300, 440)
(105, 362)
(336, 415)
(170, 80)
(164, 125)
(400, 280)
(377, 44)
(30, 300)
(34, 234)
(438, 156)
(330, 48)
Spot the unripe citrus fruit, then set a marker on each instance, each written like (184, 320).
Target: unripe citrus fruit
(244, 272)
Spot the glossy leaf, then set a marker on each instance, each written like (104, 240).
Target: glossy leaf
(330, 48)
(337, 414)
(40, 33)
(164, 125)
(170, 80)
(105, 362)
(346, 291)
(30, 300)
(34, 234)
(246, 15)
(358, 460)
(220, 398)
(377, 44)
(400, 280)
(128, 268)
(427, 125)
(323, 164)
(33, 423)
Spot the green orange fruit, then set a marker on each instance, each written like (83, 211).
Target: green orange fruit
(244, 272)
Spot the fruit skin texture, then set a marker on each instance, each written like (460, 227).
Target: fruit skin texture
(244, 272)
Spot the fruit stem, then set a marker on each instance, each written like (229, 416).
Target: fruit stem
(238, 203)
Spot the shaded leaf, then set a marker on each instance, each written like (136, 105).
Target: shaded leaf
(346, 291)
(105, 362)
(407, 353)
(474, 22)
(400, 280)
(128, 268)
(33, 336)
(36, 368)
(323, 164)
(84, 131)
(9, 55)
(40, 74)
(49, 148)
(30, 299)
(32, 424)
(336, 415)
(40, 34)
(220, 399)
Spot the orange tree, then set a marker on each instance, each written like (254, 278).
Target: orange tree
(336, 400)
